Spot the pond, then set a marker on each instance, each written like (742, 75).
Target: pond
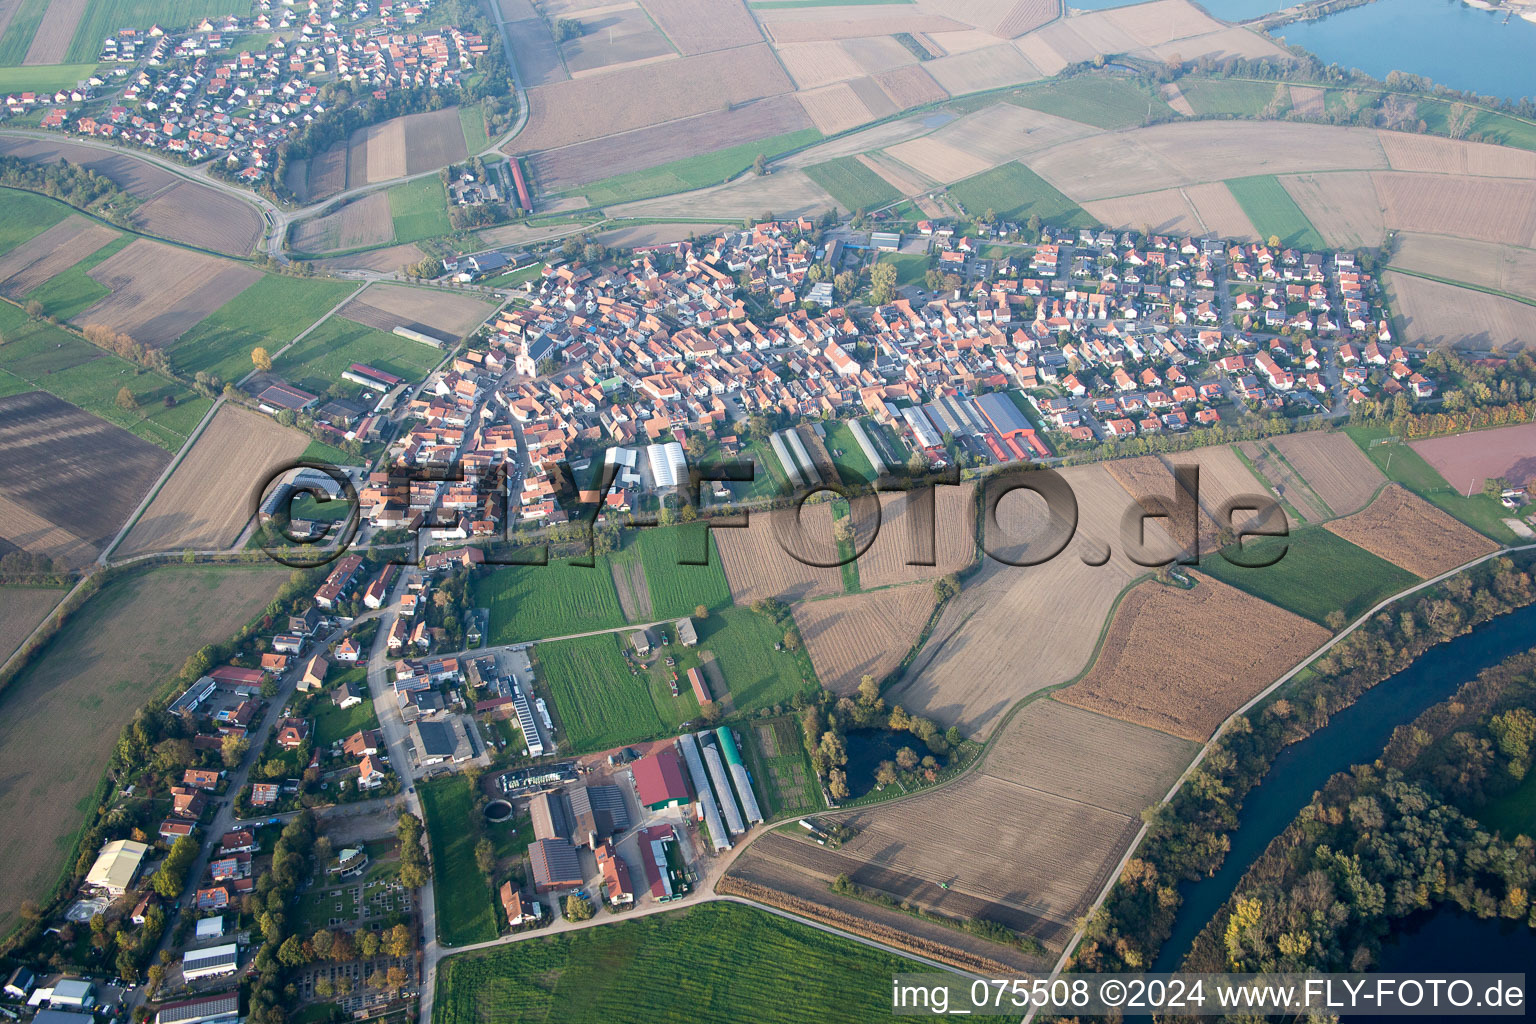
(866, 749)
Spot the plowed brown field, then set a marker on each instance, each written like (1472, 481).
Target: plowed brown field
(198, 215)
(1487, 209)
(1181, 661)
(1467, 460)
(1408, 531)
(698, 26)
(160, 291)
(907, 522)
(1334, 466)
(862, 634)
(37, 260)
(756, 566)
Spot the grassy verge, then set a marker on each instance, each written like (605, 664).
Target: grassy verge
(465, 911)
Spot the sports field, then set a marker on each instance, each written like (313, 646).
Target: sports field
(1319, 573)
(270, 313)
(853, 185)
(323, 356)
(465, 910)
(1014, 192)
(1401, 463)
(1273, 212)
(419, 209)
(705, 963)
(533, 602)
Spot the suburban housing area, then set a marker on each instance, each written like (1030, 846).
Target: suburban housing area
(628, 511)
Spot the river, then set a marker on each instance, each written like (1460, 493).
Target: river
(1446, 40)
(1355, 735)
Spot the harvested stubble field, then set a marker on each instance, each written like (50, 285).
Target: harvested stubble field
(378, 153)
(199, 215)
(362, 223)
(1171, 155)
(971, 671)
(1219, 211)
(993, 135)
(387, 306)
(817, 64)
(591, 108)
(212, 493)
(1223, 479)
(1487, 209)
(1505, 268)
(1287, 484)
(792, 25)
(160, 291)
(1341, 205)
(991, 68)
(556, 170)
(910, 86)
(1333, 466)
(839, 107)
(757, 566)
(1435, 155)
(698, 26)
(1467, 460)
(534, 49)
(63, 714)
(907, 523)
(1442, 314)
(1181, 661)
(862, 634)
(1166, 211)
(35, 262)
(1408, 531)
(1307, 100)
(21, 609)
(67, 479)
(898, 175)
(615, 37)
(1028, 838)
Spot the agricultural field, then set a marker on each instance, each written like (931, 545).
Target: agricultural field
(40, 355)
(26, 215)
(781, 770)
(1014, 192)
(202, 216)
(62, 715)
(434, 311)
(911, 531)
(1166, 211)
(1433, 313)
(862, 634)
(675, 583)
(1486, 209)
(323, 356)
(1408, 531)
(987, 67)
(1467, 460)
(1100, 100)
(48, 254)
(538, 601)
(757, 564)
(1223, 479)
(1295, 496)
(596, 975)
(361, 223)
(1274, 213)
(1403, 464)
(682, 175)
(756, 675)
(852, 184)
(270, 313)
(968, 673)
(48, 79)
(614, 37)
(434, 139)
(1501, 268)
(1435, 155)
(66, 294)
(159, 292)
(1342, 206)
(1181, 661)
(697, 26)
(21, 609)
(419, 210)
(69, 479)
(212, 494)
(599, 700)
(1231, 96)
(1333, 467)
(1029, 837)
(1317, 573)
(466, 912)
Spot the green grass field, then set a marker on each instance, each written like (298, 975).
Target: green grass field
(466, 912)
(44, 77)
(25, 215)
(706, 963)
(911, 268)
(322, 452)
(1401, 463)
(1274, 212)
(333, 723)
(419, 209)
(472, 121)
(1103, 101)
(677, 589)
(1320, 572)
(270, 313)
(532, 272)
(103, 19)
(781, 770)
(756, 675)
(318, 361)
(691, 172)
(532, 602)
(1014, 192)
(854, 186)
(1228, 95)
(846, 452)
(51, 359)
(73, 291)
(599, 702)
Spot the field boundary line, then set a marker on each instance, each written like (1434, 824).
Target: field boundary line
(1523, 300)
(1205, 750)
